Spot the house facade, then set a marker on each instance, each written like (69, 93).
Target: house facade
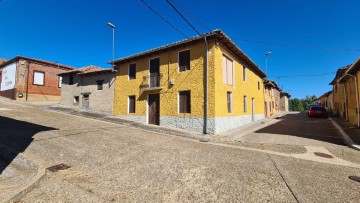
(284, 101)
(339, 98)
(167, 85)
(31, 79)
(271, 98)
(88, 88)
(350, 82)
(326, 100)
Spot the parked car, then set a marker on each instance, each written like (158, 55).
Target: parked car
(317, 111)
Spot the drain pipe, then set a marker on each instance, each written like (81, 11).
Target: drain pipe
(346, 113)
(27, 80)
(357, 98)
(357, 101)
(206, 103)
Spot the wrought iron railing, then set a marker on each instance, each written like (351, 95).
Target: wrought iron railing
(151, 81)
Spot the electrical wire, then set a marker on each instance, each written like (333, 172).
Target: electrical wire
(303, 75)
(171, 25)
(179, 5)
(297, 45)
(178, 12)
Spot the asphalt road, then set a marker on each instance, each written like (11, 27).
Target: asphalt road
(298, 129)
(116, 163)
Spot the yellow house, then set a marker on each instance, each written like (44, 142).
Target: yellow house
(326, 101)
(350, 81)
(204, 84)
(339, 93)
(272, 97)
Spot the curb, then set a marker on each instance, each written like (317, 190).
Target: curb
(348, 141)
(29, 186)
(138, 125)
(34, 182)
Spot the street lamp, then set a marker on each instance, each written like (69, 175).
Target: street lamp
(267, 54)
(113, 41)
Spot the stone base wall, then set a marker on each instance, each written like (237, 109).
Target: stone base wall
(215, 125)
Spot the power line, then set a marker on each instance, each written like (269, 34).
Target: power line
(178, 12)
(298, 45)
(164, 19)
(303, 75)
(178, 4)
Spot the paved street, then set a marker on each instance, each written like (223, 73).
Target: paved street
(117, 163)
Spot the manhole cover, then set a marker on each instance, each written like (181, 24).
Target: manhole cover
(58, 167)
(355, 178)
(323, 155)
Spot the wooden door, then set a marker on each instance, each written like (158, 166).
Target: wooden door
(154, 72)
(154, 109)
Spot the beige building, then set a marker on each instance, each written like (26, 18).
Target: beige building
(88, 88)
(284, 101)
(272, 98)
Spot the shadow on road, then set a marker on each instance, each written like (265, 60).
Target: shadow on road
(300, 125)
(16, 135)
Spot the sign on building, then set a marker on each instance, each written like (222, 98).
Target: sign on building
(8, 79)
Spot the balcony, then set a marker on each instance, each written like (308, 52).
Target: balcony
(151, 82)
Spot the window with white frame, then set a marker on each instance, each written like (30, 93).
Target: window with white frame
(39, 78)
(60, 81)
(184, 60)
(228, 70)
(229, 102)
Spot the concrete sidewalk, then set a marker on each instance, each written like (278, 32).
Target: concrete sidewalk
(114, 119)
(350, 133)
(237, 133)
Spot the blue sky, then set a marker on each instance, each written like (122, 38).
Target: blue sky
(75, 33)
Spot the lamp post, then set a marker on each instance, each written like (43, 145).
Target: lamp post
(113, 41)
(267, 54)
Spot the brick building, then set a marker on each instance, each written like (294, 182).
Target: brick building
(23, 78)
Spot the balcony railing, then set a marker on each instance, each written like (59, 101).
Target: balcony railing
(151, 82)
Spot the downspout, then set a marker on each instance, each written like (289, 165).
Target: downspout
(357, 101)
(206, 87)
(346, 113)
(27, 80)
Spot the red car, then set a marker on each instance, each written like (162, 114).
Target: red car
(317, 111)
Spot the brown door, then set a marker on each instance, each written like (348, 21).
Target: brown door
(154, 72)
(154, 109)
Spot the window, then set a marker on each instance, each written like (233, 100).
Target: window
(131, 104)
(184, 60)
(60, 81)
(71, 79)
(244, 73)
(76, 100)
(245, 104)
(132, 71)
(184, 102)
(100, 84)
(228, 72)
(39, 78)
(229, 102)
(258, 85)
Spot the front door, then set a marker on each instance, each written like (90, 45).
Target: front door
(154, 72)
(154, 109)
(85, 102)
